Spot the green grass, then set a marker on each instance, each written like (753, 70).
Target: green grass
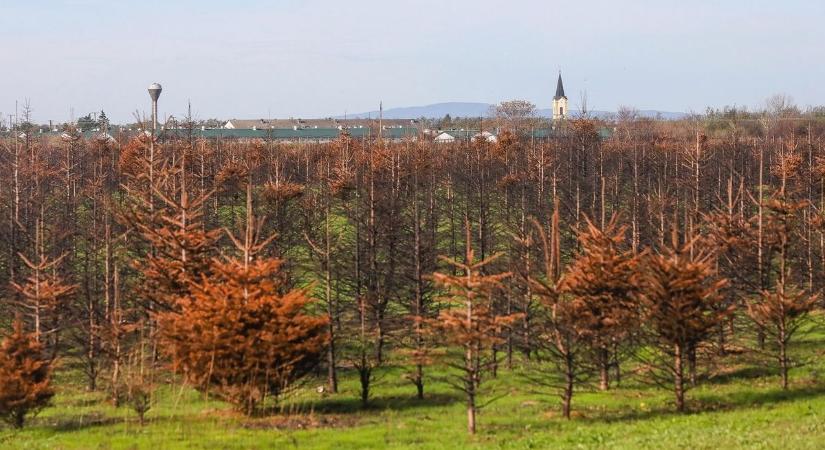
(741, 406)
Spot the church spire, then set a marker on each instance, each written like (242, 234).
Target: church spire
(559, 89)
(559, 101)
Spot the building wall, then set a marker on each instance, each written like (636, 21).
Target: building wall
(560, 110)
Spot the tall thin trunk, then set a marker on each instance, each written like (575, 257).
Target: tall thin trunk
(418, 306)
(332, 376)
(569, 380)
(604, 368)
(760, 236)
(678, 377)
(471, 365)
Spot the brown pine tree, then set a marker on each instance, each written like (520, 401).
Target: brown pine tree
(564, 332)
(470, 322)
(236, 335)
(779, 312)
(170, 221)
(43, 295)
(177, 247)
(602, 282)
(25, 376)
(681, 307)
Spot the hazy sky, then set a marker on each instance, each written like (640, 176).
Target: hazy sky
(310, 58)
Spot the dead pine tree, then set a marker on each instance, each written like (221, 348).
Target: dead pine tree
(235, 334)
(175, 246)
(469, 322)
(362, 350)
(781, 311)
(602, 279)
(44, 292)
(424, 222)
(138, 388)
(25, 375)
(734, 237)
(681, 307)
(333, 180)
(563, 331)
(170, 221)
(781, 314)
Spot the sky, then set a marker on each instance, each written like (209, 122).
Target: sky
(319, 58)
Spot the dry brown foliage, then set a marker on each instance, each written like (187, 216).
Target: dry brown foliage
(25, 376)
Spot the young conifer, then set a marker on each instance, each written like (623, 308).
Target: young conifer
(681, 306)
(470, 322)
(25, 376)
(602, 285)
(236, 334)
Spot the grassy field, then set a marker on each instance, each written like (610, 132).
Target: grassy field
(740, 405)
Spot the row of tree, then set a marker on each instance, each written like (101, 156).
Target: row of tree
(248, 264)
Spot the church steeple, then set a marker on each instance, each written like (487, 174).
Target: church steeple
(559, 101)
(559, 89)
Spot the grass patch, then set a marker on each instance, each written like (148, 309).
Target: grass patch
(738, 405)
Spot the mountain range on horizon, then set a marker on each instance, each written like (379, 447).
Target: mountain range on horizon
(479, 109)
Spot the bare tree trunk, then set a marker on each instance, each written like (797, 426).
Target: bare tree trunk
(115, 324)
(471, 413)
(332, 376)
(635, 212)
(678, 378)
(471, 361)
(418, 307)
(692, 364)
(760, 337)
(569, 379)
(364, 375)
(783, 356)
(604, 368)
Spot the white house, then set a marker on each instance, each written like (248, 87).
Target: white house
(444, 138)
(487, 136)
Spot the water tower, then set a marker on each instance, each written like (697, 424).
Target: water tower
(154, 92)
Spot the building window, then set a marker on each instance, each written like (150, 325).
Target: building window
(561, 110)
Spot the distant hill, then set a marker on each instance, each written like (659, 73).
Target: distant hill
(474, 109)
(646, 113)
(435, 111)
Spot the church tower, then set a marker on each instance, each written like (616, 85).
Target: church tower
(559, 102)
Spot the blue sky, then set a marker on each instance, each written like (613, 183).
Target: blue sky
(311, 58)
